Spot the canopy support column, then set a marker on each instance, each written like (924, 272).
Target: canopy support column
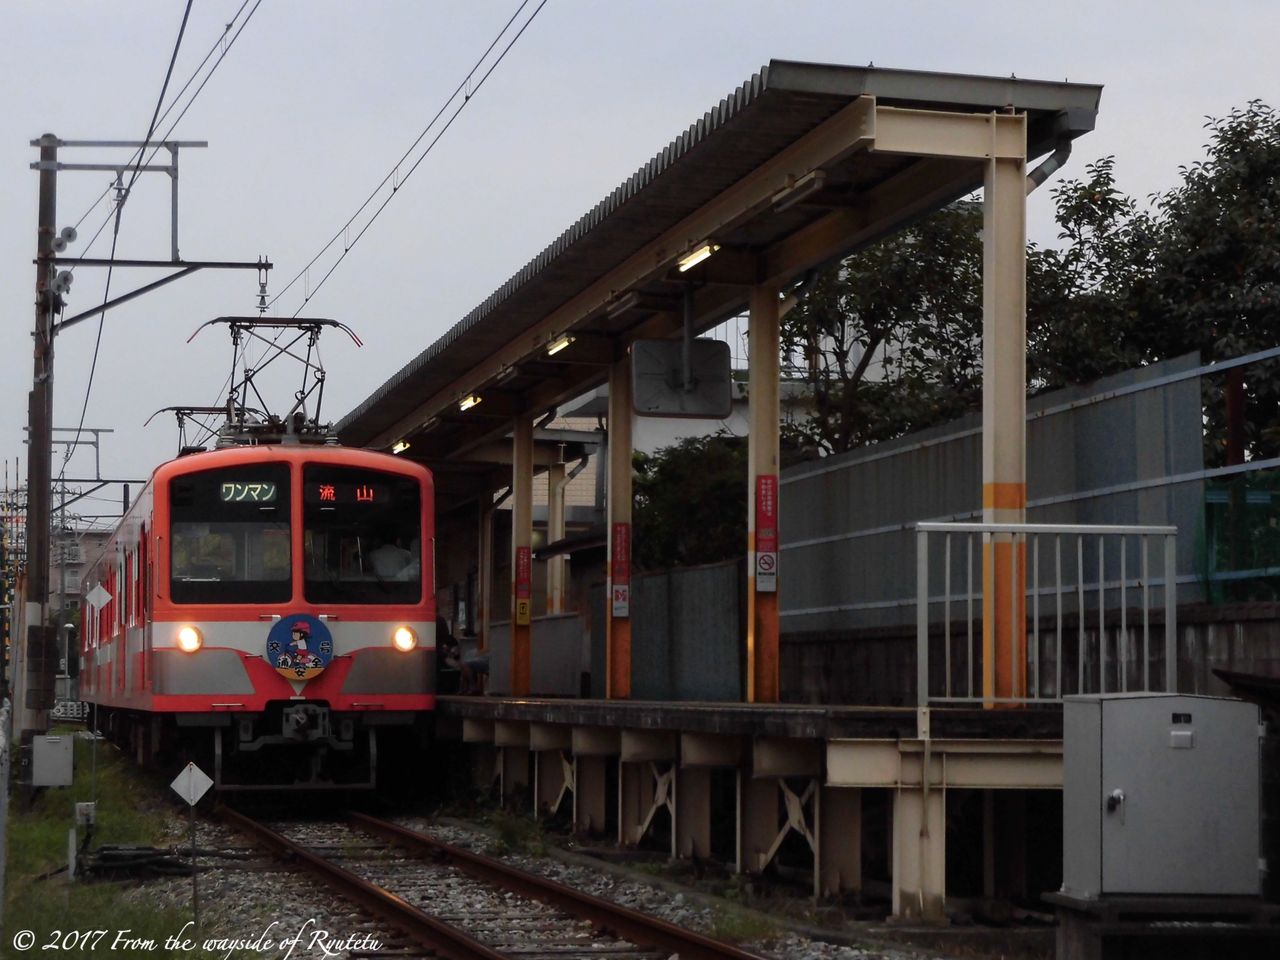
(762, 497)
(521, 554)
(618, 601)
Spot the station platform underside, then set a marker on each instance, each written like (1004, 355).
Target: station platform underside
(644, 770)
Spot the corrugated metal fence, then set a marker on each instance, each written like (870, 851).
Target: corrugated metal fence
(1123, 450)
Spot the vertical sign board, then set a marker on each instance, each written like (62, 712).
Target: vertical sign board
(620, 571)
(766, 559)
(524, 586)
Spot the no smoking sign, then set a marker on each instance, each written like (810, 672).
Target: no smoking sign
(767, 571)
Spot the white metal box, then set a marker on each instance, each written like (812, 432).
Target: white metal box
(1160, 795)
(51, 760)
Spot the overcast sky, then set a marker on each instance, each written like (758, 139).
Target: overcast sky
(316, 101)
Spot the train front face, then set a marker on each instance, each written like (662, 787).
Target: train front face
(294, 615)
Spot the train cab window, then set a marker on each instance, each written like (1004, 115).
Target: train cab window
(361, 536)
(229, 536)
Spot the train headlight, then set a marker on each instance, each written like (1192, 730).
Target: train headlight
(404, 639)
(190, 639)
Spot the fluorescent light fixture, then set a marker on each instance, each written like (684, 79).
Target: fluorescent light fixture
(508, 373)
(806, 186)
(400, 446)
(429, 424)
(628, 301)
(469, 401)
(558, 344)
(697, 255)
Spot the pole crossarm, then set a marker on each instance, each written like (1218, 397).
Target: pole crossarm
(130, 144)
(194, 264)
(188, 268)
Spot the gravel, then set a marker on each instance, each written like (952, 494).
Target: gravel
(636, 893)
(243, 898)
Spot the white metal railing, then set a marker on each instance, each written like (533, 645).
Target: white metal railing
(1099, 575)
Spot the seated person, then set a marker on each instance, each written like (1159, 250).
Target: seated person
(449, 670)
(475, 673)
(389, 559)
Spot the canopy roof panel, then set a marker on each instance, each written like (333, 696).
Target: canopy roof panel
(777, 109)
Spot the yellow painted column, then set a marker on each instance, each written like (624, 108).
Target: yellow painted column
(763, 674)
(1004, 423)
(555, 531)
(521, 554)
(618, 579)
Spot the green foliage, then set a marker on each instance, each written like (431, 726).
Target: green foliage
(891, 339)
(1083, 299)
(514, 834)
(691, 502)
(736, 925)
(43, 901)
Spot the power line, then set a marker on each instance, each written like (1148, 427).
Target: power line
(226, 48)
(468, 92)
(463, 88)
(115, 237)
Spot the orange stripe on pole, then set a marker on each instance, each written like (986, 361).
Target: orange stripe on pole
(1004, 628)
(1004, 496)
(619, 656)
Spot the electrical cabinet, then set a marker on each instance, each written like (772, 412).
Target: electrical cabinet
(1160, 795)
(51, 760)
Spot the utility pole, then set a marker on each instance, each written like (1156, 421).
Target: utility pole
(40, 679)
(64, 654)
(40, 652)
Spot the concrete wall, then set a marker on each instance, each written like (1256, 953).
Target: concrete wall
(687, 640)
(877, 665)
(557, 655)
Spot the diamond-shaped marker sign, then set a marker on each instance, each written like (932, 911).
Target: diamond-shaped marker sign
(191, 784)
(98, 597)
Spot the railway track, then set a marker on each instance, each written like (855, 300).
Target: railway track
(460, 905)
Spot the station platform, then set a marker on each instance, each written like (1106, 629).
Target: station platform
(811, 721)
(799, 769)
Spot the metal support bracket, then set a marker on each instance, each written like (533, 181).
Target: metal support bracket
(801, 810)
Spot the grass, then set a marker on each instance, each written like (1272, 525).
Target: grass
(742, 926)
(515, 834)
(39, 896)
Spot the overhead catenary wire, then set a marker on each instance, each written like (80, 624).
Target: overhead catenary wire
(226, 46)
(468, 91)
(115, 236)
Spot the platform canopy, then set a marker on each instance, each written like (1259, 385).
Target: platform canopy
(799, 167)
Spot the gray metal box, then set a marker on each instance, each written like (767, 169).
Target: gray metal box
(51, 760)
(1160, 795)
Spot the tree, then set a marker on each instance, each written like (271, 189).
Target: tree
(1216, 279)
(1085, 314)
(691, 502)
(890, 340)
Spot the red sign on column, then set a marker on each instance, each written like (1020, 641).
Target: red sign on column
(620, 570)
(766, 559)
(524, 586)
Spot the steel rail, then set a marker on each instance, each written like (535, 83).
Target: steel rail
(447, 941)
(624, 923)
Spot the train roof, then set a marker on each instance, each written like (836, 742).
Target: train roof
(288, 453)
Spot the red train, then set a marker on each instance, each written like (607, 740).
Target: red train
(268, 610)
